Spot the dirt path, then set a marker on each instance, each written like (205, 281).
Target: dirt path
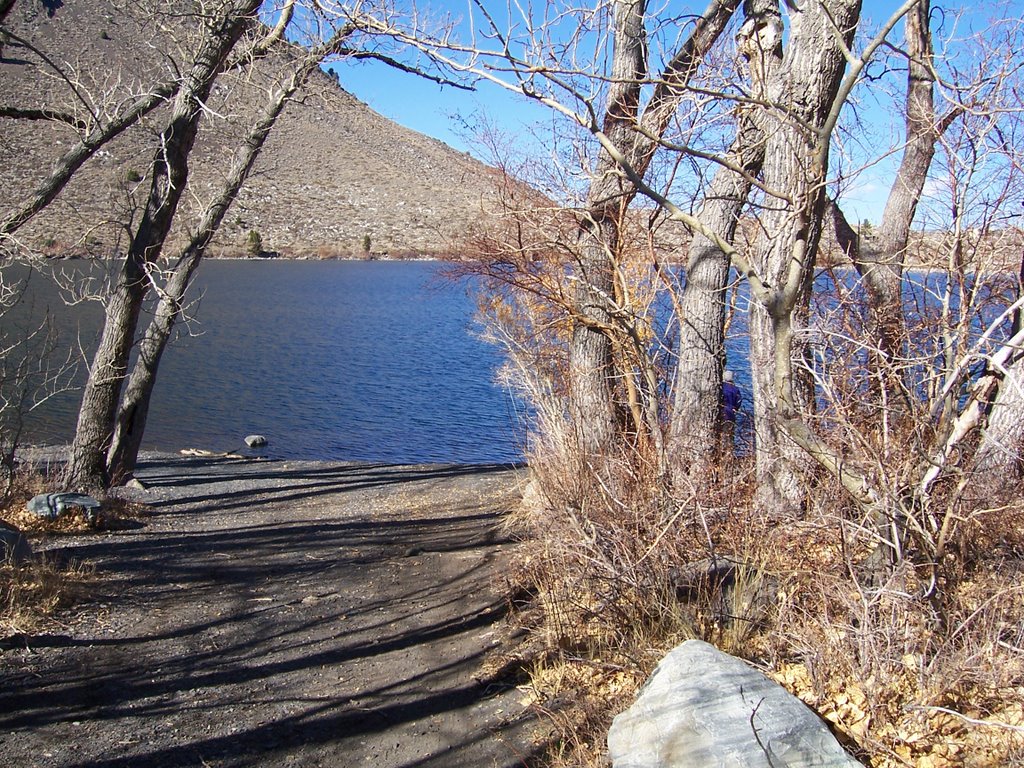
(279, 613)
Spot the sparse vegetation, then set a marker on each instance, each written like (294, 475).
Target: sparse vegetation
(915, 657)
(622, 567)
(867, 549)
(253, 243)
(32, 593)
(863, 548)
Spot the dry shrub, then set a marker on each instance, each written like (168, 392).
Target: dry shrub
(32, 479)
(32, 593)
(914, 662)
(621, 571)
(905, 677)
(116, 514)
(330, 252)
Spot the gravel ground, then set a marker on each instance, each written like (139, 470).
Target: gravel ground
(280, 613)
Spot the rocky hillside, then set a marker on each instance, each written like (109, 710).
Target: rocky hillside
(333, 173)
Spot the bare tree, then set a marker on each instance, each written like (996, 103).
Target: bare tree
(629, 131)
(868, 408)
(86, 467)
(797, 95)
(630, 136)
(694, 425)
(794, 180)
(226, 37)
(30, 372)
(134, 405)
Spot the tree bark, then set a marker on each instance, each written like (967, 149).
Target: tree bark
(86, 469)
(134, 409)
(1000, 457)
(881, 267)
(592, 374)
(999, 460)
(795, 171)
(591, 377)
(694, 426)
(693, 432)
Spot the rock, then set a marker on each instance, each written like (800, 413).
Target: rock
(255, 441)
(705, 709)
(53, 505)
(742, 592)
(14, 547)
(135, 484)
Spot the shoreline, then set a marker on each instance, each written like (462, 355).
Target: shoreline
(56, 454)
(442, 257)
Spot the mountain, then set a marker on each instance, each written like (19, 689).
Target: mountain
(332, 174)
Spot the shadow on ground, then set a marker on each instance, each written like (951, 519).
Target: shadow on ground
(281, 614)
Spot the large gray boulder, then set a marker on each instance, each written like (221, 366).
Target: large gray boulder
(53, 505)
(14, 547)
(705, 709)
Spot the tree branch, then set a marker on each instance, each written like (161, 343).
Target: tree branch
(15, 113)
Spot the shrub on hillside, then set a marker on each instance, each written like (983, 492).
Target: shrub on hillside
(253, 243)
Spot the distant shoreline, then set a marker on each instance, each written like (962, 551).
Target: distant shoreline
(438, 257)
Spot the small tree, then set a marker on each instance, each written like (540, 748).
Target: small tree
(29, 371)
(253, 243)
(366, 245)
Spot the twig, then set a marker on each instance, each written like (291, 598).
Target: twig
(970, 720)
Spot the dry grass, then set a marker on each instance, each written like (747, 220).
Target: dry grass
(620, 572)
(31, 594)
(116, 514)
(899, 619)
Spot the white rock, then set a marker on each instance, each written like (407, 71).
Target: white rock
(705, 709)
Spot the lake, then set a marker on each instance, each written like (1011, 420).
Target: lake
(350, 360)
(361, 361)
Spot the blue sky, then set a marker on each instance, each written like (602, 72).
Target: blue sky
(444, 112)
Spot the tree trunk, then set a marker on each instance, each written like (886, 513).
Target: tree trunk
(130, 424)
(1000, 456)
(795, 171)
(86, 469)
(881, 267)
(694, 427)
(134, 410)
(592, 375)
(693, 432)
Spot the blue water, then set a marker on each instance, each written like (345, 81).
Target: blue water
(362, 361)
